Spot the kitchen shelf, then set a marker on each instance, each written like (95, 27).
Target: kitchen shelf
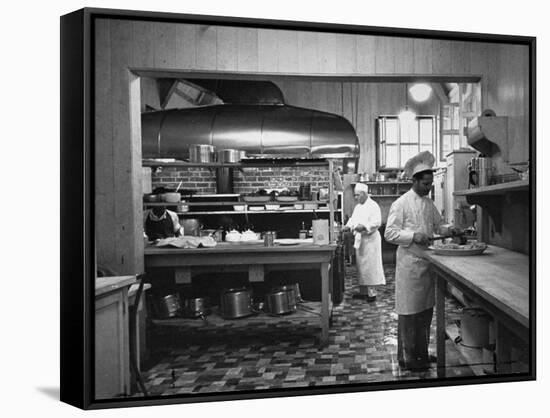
(496, 189)
(243, 212)
(236, 203)
(385, 182)
(243, 164)
(312, 313)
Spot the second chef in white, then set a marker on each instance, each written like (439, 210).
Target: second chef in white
(364, 223)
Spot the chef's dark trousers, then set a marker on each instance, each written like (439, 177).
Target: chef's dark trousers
(413, 337)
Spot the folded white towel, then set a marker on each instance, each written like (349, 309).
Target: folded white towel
(357, 240)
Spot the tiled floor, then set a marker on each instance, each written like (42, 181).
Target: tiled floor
(362, 348)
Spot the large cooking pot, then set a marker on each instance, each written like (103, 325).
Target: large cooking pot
(195, 308)
(169, 306)
(236, 303)
(230, 155)
(281, 300)
(201, 153)
(191, 226)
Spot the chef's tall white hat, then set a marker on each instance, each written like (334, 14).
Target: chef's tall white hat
(360, 187)
(420, 162)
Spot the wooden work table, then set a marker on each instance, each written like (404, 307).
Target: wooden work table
(254, 258)
(498, 281)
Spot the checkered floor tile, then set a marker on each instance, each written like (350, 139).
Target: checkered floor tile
(361, 349)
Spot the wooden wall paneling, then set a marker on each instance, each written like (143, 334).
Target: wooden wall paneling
(460, 57)
(321, 96)
(104, 164)
(143, 48)
(165, 44)
(247, 49)
(267, 50)
(422, 56)
(334, 97)
(483, 62)
(227, 48)
(346, 54)
(308, 53)
(126, 174)
(327, 52)
(365, 48)
(287, 51)
(512, 94)
(349, 91)
(186, 46)
(441, 57)
(368, 111)
(404, 55)
(385, 55)
(206, 44)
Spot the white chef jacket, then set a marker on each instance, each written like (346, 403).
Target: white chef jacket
(368, 244)
(414, 284)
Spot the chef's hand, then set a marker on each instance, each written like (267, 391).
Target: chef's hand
(421, 238)
(360, 228)
(455, 231)
(346, 229)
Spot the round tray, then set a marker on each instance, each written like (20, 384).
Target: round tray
(458, 252)
(286, 198)
(256, 199)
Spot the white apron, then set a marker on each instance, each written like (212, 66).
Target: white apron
(414, 284)
(368, 244)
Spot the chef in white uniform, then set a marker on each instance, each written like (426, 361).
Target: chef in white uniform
(364, 223)
(412, 220)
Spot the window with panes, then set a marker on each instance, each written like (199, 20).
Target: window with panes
(398, 141)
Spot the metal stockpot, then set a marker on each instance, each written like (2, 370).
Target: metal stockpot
(170, 306)
(236, 303)
(195, 308)
(230, 155)
(201, 153)
(281, 300)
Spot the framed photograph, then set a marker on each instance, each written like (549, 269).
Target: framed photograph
(260, 208)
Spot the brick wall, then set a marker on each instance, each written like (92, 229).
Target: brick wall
(245, 180)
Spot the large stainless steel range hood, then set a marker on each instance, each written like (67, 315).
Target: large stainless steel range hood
(256, 129)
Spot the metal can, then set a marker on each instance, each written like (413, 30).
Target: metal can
(269, 239)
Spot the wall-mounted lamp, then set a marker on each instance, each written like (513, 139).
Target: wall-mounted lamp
(420, 92)
(406, 116)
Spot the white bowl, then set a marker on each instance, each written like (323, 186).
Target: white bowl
(239, 208)
(171, 197)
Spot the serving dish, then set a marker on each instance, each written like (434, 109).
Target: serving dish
(456, 250)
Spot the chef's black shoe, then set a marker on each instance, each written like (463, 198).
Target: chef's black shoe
(371, 298)
(417, 366)
(360, 296)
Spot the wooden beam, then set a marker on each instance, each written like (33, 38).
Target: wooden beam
(440, 93)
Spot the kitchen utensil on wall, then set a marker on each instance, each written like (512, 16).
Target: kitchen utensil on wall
(201, 153)
(236, 303)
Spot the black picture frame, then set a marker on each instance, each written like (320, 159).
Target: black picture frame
(78, 210)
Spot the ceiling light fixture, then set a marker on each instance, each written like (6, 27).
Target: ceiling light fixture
(420, 92)
(407, 115)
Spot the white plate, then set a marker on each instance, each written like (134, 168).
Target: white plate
(256, 208)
